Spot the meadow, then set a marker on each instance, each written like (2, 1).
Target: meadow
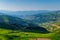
(16, 35)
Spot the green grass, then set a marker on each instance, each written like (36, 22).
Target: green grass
(6, 34)
(16, 35)
(56, 36)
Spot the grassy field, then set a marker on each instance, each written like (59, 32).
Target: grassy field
(16, 35)
(6, 34)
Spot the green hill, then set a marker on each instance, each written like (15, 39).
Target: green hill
(46, 25)
(14, 23)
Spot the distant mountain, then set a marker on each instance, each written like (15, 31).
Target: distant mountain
(44, 17)
(29, 20)
(23, 13)
(15, 23)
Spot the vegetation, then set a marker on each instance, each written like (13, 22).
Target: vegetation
(17, 35)
(14, 35)
(44, 25)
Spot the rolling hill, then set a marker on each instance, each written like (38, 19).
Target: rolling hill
(39, 25)
(14, 23)
(30, 19)
(44, 17)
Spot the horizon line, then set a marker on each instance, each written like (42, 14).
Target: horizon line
(30, 10)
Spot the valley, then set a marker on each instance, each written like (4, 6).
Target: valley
(41, 25)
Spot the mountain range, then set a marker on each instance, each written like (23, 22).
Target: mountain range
(28, 21)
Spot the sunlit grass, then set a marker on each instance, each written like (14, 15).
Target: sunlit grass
(6, 34)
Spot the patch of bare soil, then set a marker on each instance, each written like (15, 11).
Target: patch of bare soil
(40, 39)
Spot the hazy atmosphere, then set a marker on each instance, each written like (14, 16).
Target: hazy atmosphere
(14, 5)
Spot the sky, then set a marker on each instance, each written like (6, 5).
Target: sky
(21, 5)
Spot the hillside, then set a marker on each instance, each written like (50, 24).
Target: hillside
(14, 23)
(41, 25)
(44, 17)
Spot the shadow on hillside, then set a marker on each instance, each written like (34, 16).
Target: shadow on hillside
(30, 28)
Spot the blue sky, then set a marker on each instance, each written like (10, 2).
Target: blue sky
(14, 5)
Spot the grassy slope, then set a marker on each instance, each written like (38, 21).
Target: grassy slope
(14, 35)
(17, 35)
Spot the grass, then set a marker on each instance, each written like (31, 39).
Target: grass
(56, 36)
(6, 34)
(16, 35)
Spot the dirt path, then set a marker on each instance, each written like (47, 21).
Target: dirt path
(40, 39)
